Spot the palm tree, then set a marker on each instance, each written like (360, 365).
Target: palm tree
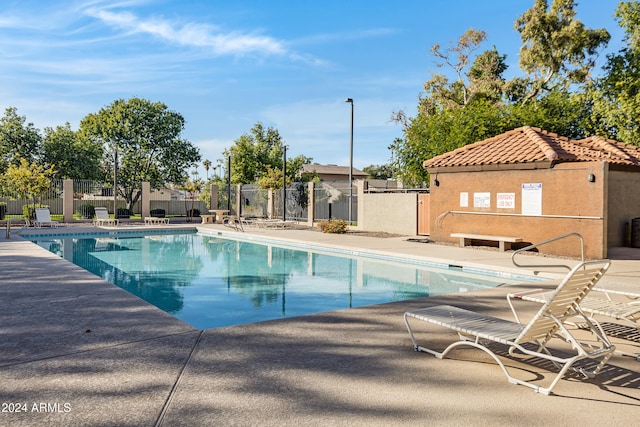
(207, 165)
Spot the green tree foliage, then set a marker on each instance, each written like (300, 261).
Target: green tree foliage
(445, 130)
(17, 139)
(145, 136)
(192, 186)
(27, 180)
(207, 165)
(483, 78)
(628, 15)
(616, 96)
(379, 171)
(557, 49)
(255, 154)
(73, 157)
(557, 52)
(272, 179)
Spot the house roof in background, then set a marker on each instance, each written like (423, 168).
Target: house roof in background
(530, 147)
(332, 170)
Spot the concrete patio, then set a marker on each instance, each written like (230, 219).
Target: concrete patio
(78, 351)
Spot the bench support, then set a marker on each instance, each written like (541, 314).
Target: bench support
(504, 242)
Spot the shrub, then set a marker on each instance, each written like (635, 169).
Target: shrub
(124, 213)
(195, 212)
(86, 210)
(3, 210)
(336, 226)
(158, 213)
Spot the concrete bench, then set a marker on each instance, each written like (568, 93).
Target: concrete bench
(504, 242)
(208, 219)
(153, 220)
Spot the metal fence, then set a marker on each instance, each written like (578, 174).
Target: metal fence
(255, 201)
(51, 198)
(332, 201)
(99, 194)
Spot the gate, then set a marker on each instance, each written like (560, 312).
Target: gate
(423, 214)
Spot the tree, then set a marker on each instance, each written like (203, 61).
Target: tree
(442, 94)
(379, 171)
(73, 157)
(451, 115)
(427, 136)
(192, 187)
(557, 54)
(143, 139)
(255, 153)
(272, 179)
(27, 180)
(557, 49)
(616, 96)
(17, 140)
(207, 166)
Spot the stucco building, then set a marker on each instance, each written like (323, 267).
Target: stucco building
(333, 172)
(535, 185)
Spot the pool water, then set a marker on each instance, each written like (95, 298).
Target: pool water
(209, 281)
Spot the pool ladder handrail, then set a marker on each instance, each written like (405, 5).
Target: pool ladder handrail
(553, 239)
(10, 220)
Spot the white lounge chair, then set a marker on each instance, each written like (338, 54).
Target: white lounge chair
(102, 218)
(599, 303)
(43, 217)
(479, 330)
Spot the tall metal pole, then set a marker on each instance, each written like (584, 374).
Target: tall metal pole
(350, 100)
(229, 184)
(284, 183)
(115, 181)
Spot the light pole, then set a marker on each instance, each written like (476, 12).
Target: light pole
(350, 101)
(284, 183)
(115, 180)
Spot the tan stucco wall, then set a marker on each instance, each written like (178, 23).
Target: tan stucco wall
(623, 205)
(388, 212)
(570, 203)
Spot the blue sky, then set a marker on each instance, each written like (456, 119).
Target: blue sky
(225, 65)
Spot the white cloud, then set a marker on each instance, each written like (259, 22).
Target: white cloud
(192, 34)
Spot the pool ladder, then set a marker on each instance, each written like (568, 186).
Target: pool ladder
(553, 239)
(10, 220)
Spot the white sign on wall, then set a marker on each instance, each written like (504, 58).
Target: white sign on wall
(481, 200)
(532, 199)
(506, 200)
(464, 200)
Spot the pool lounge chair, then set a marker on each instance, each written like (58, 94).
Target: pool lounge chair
(600, 303)
(43, 217)
(522, 340)
(102, 218)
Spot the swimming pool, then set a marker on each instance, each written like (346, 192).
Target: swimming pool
(212, 280)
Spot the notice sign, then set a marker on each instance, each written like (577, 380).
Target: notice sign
(506, 200)
(532, 199)
(464, 200)
(481, 200)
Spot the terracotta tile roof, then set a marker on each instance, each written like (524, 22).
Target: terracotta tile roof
(528, 146)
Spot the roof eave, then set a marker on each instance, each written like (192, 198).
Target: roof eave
(491, 167)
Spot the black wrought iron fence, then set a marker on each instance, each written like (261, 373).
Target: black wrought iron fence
(332, 201)
(255, 201)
